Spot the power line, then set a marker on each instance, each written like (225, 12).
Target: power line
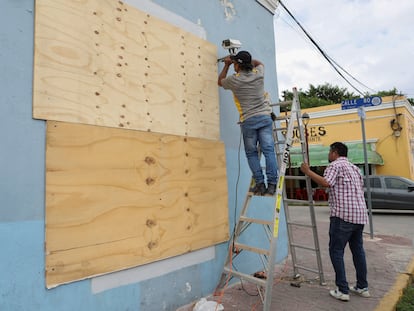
(350, 74)
(329, 59)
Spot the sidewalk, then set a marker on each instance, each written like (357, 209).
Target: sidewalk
(390, 261)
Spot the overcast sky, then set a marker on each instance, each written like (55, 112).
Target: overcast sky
(371, 39)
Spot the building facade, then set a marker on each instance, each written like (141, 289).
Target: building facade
(389, 135)
(162, 285)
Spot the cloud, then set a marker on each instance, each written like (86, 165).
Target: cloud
(372, 39)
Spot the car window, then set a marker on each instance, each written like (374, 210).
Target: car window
(394, 183)
(373, 182)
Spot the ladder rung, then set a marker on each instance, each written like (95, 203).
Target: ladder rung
(282, 118)
(256, 221)
(251, 194)
(244, 276)
(291, 177)
(291, 152)
(252, 249)
(280, 129)
(284, 128)
(303, 247)
(296, 201)
(298, 224)
(307, 269)
(282, 104)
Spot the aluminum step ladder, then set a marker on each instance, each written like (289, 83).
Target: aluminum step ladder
(284, 138)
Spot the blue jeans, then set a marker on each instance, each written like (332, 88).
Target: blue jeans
(259, 129)
(341, 233)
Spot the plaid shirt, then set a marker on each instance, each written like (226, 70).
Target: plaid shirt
(346, 194)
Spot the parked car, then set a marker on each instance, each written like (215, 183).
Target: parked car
(391, 192)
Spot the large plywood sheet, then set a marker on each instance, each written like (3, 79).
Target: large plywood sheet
(102, 62)
(119, 198)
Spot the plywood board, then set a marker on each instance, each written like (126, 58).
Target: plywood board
(103, 62)
(119, 198)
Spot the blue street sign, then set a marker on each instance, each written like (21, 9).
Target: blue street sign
(361, 102)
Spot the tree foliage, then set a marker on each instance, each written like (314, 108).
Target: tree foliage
(327, 94)
(393, 92)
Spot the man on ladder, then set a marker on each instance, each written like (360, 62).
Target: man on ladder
(267, 251)
(256, 123)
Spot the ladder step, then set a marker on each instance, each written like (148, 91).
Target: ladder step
(284, 128)
(291, 152)
(278, 129)
(255, 220)
(298, 224)
(282, 104)
(282, 118)
(244, 276)
(251, 194)
(252, 249)
(296, 201)
(307, 269)
(303, 247)
(292, 177)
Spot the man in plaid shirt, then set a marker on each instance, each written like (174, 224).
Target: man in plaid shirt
(348, 215)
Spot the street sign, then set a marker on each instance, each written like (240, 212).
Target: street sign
(361, 102)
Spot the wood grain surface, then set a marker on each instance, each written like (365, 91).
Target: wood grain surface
(103, 62)
(118, 198)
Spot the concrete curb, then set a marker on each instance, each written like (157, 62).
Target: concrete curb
(390, 300)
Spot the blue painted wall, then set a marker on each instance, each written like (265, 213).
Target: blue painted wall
(22, 169)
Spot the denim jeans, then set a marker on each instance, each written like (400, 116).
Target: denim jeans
(259, 129)
(341, 233)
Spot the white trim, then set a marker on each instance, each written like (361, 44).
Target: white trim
(151, 270)
(168, 16)
(356, 120)
(339, 112)
(359, 141)
(270, 5)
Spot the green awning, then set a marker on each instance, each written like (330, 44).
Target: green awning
(318, 155)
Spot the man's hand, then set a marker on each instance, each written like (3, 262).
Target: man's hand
(304, 167)
(228, 61)
(223, 73)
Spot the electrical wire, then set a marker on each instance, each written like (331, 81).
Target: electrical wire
(356, 80)
(329, 59)
(230, 254)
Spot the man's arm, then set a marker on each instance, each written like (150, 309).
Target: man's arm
(256, 63)
(223, 73)
(315, 177)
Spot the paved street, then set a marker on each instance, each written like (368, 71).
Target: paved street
(394, 223)
(385, 222)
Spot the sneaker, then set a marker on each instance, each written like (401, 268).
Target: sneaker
(336, 293)
(363, 292)
(271, 189)
(259, 189)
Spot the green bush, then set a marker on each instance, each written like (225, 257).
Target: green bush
(406, 302)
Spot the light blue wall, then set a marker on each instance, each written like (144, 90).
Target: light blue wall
(22, 139)
(22, 169)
